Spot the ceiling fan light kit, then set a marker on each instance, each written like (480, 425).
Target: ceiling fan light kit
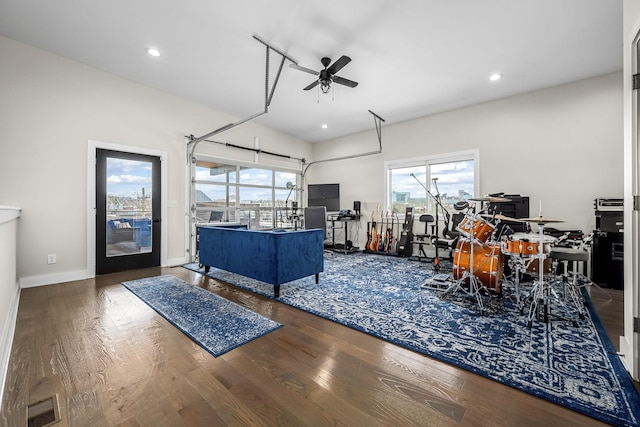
(327, 76)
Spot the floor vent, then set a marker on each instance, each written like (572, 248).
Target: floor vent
(43, 413)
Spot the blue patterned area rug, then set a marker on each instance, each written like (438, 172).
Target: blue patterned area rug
(574, 367)
(215, 323)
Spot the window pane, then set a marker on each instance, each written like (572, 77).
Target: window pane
(215, 172)
(282, 178)
(406, 191)
(128, 207)
(253, 196)
(257, 219)
(256, 176)
(455, 181)
(212, 202)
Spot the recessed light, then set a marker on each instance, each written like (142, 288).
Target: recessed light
(324, 126)
(153, 51)
(495, 77)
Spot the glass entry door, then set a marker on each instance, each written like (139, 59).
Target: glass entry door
(127, 211)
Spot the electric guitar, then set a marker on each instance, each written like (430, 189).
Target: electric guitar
(394, 245)
(383, 238)
(389, 235)
(405, 247)
(376, 245)
(372, 234)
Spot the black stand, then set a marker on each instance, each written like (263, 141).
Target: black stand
(436, 260)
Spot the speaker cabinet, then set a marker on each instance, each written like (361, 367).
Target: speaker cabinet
(607, 264)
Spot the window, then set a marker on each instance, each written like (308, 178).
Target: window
(450, 178)
(258, 196)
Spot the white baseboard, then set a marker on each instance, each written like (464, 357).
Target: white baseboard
(50, 279)
(626, 350)
(6, 339)
(175, 262)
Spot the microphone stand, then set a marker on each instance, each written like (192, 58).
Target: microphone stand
(294, 207)
(436, 261)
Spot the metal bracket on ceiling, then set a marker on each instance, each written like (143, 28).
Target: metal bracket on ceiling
(378, 124)
(268, 97)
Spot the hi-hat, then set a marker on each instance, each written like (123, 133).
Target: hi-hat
(490, 199)
(541, 220)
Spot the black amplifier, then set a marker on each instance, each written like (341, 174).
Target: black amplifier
(516, 207)
(610, 221)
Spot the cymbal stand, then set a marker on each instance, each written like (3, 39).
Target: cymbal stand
(518, 266)
(474, 282)
(541, 292)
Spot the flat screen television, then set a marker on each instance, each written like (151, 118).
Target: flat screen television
(327, 195)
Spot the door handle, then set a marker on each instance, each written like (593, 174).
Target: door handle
(156, 220)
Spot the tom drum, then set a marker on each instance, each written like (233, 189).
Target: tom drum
(482, 229)
(527, 245)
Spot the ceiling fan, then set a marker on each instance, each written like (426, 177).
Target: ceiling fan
(328, 75)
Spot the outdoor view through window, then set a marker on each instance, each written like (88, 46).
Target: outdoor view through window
(450, 181)
(128, 207)
(248, 195)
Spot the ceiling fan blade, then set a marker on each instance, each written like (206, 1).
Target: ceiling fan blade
(337, 66)
(306, 70)
(312, 85)
(343, 81)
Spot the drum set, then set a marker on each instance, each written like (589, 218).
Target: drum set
(479, 265)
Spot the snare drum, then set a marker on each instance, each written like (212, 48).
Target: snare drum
(488, 262)
(527, 245)
(482, 229)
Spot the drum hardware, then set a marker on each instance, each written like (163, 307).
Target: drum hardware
(506, 218)
(542, 292)
(467, 273)
(436, 260)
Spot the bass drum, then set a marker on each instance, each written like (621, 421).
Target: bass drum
(488, 263)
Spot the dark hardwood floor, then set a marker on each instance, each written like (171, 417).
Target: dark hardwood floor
(115, 362)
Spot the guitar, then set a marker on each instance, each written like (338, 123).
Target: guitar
(376, 245)
(394, 245)
(405, 247)
(389, 235)
(383, 237)
(372, 234)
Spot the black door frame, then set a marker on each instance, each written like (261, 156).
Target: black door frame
(106, 264)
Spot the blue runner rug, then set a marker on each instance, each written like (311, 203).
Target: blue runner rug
(216, 324)
(574, 367)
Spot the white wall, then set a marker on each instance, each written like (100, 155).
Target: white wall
(50, 107)
(562, 146)
(9, 290)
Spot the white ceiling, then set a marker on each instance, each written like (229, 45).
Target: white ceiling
(412, 58)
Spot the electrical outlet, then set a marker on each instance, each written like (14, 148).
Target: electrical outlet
(51, 259)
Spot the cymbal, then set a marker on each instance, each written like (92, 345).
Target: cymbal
(507, 218)
(541, 220)
(490, 199)
(500, 217)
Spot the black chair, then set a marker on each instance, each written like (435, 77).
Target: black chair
(450, 234)
(215, 216)
(424, 238)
